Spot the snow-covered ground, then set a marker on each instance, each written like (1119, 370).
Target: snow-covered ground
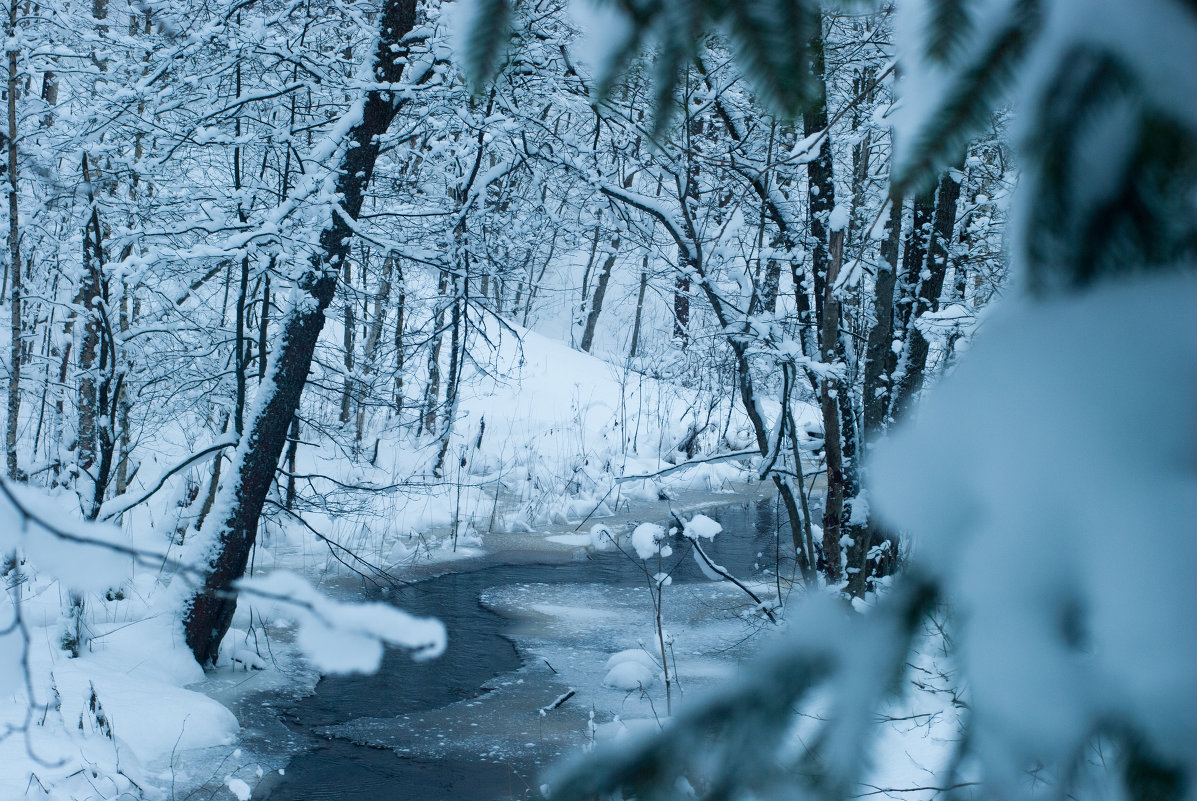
(544, 435)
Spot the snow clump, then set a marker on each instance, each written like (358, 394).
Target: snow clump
(701, 526)
(648, 539)
(601, 538)
(629, 676)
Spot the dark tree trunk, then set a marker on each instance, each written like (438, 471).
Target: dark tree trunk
(770, 286)
(833, 439)
(432, 390)
(91, 489)
(600, 294)
(881, 335)
(292, 458)
(400, 312)
(210, 610)
(930, 278)
(681, 309)
(639, 311)
(350, 325)
(820, 181)
(14, 256)
(836, 400)
(370, 354)
(263, 328)
(456, 359)
(913, 257)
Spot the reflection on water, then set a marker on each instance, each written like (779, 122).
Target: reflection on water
(326, 767)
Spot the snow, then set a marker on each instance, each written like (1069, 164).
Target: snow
(1074, 600)
(701, 527)
(569, 539)
(601, 538)
(838, 219)
(648, 540)
(347, 637)
(637, 655)
(604, 31)
(239, 789)
(629, 676)
(149, 718)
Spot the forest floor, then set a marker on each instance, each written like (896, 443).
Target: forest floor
(546, 440)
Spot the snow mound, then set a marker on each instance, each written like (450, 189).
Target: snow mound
(629, 676)
(151, 718)
(636, 655)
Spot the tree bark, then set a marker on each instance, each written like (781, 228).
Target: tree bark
(89, 486)
(372, 339)
(14, 257)
(210, 610)
(400, 312)
(600, 294)
(348, 341)
(432, 389)
(456, 359)
(881, 334)
(820, 182)
(829, 392)
(639, 311)
(930, 278)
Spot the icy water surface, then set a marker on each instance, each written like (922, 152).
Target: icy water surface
(466, 725)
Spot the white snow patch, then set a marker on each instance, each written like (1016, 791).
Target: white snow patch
(701, 526)
(638, 655)
(628, 676)
(647, 540)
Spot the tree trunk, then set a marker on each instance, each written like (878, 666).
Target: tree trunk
(89, 486)
(210, 610)
(370, 350)
(681, 310)
(432, 390)
(820, 182)
(639, 311)
(930, 277)
(14, 257)
(347, 390)
(881, 335)
(600, 293)
(586, 279)
(400, 311)
(833, 439)
(836, 400)
(456, 359)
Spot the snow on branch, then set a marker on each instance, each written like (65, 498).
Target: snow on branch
(347, 637)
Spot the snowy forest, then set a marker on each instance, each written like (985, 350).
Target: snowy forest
(599, 399)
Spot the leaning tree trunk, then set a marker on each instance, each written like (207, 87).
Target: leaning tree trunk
(210, 610)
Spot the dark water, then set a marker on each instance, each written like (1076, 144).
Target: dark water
(326, 768)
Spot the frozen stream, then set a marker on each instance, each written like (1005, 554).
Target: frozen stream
(522, 631)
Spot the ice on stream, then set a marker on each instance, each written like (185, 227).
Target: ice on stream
(575, 637)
